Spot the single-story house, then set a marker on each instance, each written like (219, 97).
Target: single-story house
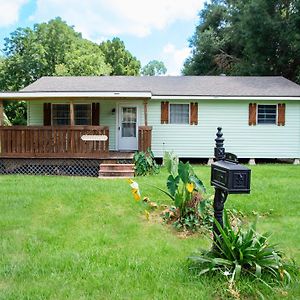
(260, 117)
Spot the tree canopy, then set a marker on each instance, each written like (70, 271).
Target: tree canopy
(154, 67)
(52, 48)
(247, 37)
(121, 61)
(83, 59)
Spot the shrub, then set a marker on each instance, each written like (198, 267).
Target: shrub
(198, 212)
(243, 252)
(145, 163)
(186, 190)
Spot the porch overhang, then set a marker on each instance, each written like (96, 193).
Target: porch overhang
(30, 96)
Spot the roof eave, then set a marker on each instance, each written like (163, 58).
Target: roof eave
(39, 95)
(227, 97)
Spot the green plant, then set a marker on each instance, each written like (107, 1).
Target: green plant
(243, 252)
(206, 213)
(185, 189)
(188, 221)
(171, 162)
(16, 112)
(182, 184)
(145, 163)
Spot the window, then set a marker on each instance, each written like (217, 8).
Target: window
(60, 114)
(179, 113)
(266, 114)
(82, 114)
(129, 119)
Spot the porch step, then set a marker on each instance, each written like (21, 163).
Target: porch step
(116, 170)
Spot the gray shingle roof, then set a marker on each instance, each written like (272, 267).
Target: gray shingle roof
(171, 85)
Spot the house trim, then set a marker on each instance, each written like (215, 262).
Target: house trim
(246, 98)
(144, 95)
(41, 95)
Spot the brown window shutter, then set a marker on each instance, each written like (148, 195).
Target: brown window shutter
(252, 113)
(95, 114)
(164, 113)
(281, 114)
(194, 114)
(47, 114)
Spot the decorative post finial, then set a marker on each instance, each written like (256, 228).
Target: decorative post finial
(219, 149)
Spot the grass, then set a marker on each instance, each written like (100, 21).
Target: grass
(85, 238)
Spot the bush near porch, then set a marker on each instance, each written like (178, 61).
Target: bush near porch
(67, 237)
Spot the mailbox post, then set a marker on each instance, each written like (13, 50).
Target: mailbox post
(228, 177)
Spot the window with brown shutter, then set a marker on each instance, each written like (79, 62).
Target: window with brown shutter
(83, 114)
(95, 114)
(281, 114)
(47, 114)
(164, 113)
(194, 114)
(252, 114)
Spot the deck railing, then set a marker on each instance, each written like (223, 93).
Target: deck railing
(145, 137)
(52, 141)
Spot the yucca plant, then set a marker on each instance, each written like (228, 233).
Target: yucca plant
(237, 252)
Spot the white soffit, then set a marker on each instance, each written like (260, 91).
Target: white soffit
(277, 98)
(33, 95)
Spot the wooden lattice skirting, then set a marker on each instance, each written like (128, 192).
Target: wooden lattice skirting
(65, 167)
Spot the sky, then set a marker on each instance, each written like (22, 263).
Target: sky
(150, 29)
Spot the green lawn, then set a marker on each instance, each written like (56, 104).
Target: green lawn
(85, 238)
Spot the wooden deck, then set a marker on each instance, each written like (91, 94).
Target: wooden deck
(63, 142)
(52, 142)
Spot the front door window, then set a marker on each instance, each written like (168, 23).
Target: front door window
(128, 118)
(128, 121)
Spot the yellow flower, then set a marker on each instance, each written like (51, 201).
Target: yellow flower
(136, 194)
(147, 215)
(190, 187)
(135, 190)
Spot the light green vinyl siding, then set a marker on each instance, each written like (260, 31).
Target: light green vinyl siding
(107, 117)
(260, 141)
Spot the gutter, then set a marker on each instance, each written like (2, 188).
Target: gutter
(39, 95)
(133, 95)
(187, 97)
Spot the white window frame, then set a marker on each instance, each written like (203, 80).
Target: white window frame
(189, 113)
(267, 124)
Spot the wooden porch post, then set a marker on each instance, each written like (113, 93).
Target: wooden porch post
(72, 115)
(146, 112)
(1, 113)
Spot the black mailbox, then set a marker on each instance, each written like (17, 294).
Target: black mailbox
(230, 177)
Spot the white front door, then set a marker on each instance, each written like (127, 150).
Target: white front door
(128, 127)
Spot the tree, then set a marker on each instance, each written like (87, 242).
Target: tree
(254, 37)
(154, 67)
(52, 48)
(83, 59)
(45, 49)
(121, 61)
(15, 112)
